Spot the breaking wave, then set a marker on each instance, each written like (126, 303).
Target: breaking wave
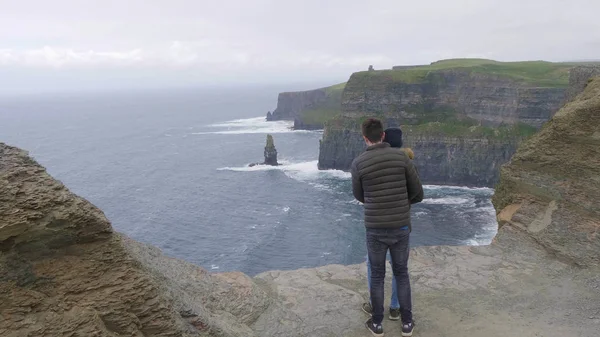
(465, 188)
(250, 126)
(448, 201)
(302, 171)
(440, 198)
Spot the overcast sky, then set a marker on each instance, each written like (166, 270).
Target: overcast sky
(135, 43)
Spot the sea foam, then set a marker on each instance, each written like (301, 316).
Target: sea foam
(251, 126)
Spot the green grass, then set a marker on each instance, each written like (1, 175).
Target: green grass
(324, 111)
(318, 116)
(336, 88)
(460, 128)
(535, 73)
(464, 130)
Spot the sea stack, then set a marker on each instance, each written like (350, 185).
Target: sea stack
(270, 152)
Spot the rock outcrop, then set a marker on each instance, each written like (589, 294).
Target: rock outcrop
(65, 272)
(579, 78)
(270, 152)
(551, 187)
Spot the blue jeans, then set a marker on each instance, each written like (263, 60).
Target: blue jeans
(394, 304)
(379, 241)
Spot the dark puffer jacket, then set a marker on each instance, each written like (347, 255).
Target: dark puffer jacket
(385, 180)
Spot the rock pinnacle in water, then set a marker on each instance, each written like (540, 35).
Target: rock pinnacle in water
(270, 152)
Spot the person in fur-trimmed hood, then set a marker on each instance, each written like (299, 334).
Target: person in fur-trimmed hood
(393, 136)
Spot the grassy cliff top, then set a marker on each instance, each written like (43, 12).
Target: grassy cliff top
(535, 73)
(335, 88)
(326, 110)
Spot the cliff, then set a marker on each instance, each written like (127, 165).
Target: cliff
(65, 272)
(309, 109)
(463, 118)
(579, 78)
(463, 155)
(551, 187)
(489, 92)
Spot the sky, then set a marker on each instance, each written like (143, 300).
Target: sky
(95, 44)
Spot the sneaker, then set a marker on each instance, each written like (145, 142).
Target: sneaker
(407, 329)
(366, 307)
(376, 329)
(394, 314)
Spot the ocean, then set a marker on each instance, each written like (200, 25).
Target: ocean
(170, 168)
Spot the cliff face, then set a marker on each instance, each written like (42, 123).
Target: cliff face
(551, 187)
(64, 272)
(291, 104)
(485, 97)
(458, 95)
(309, 109)
(466, 160)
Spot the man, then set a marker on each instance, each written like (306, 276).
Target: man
(385, 180)
(393, 137)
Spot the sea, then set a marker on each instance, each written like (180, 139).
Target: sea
(170, 168)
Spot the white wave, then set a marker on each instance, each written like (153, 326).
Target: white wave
(310, 171)
(303, 171)
(214, 266)
(251, 125)
(448, 201)
(489, 230)
(307, 172)
(472, 242)
(464, 188)
(286, 209)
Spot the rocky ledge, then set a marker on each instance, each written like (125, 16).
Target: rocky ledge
(65, 272)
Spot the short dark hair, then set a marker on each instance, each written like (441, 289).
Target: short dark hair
(372, 129)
